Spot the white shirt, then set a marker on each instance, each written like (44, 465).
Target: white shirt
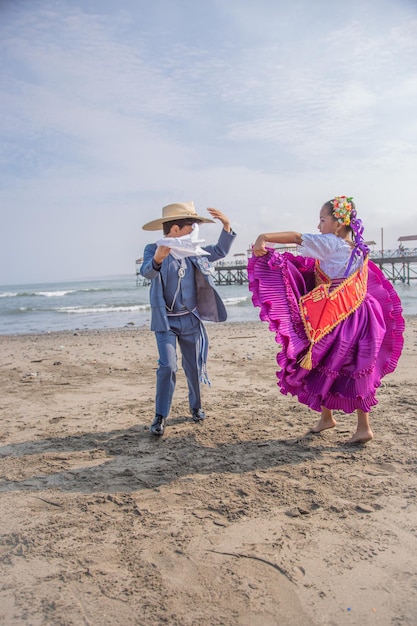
(332, 252)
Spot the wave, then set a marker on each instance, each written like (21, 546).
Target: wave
(51, 294)
(30, 294)
(18, 311)
(237, 301)
(102, 309)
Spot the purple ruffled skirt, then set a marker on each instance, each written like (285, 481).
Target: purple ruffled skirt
(350, 361)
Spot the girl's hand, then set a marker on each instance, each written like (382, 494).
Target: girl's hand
(258, 248)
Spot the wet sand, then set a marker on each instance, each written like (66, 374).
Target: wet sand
(244, 519)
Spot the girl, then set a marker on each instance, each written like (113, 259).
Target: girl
(338, 319)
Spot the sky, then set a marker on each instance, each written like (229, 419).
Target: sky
(111, 109)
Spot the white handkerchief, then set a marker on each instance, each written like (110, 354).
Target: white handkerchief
(188, 245)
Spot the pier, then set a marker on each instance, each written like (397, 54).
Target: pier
(232, 272)
(140, 280)
(399, 265)
(230, 275)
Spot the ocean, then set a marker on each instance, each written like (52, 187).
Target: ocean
(113, 302)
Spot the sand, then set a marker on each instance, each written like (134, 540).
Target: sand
(243, 519)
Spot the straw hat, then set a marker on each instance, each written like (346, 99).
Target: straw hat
(177, 211)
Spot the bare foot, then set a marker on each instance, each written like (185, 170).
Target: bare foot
(323, 424)
(360, 438)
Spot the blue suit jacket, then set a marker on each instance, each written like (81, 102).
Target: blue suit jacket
(209, 304)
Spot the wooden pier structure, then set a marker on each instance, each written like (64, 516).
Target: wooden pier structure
(398, 266)
(235, 272)
(232, 273)
(140, 280)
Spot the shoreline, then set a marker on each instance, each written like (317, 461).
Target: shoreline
(242, 519)
(132, 327)
(127, 328)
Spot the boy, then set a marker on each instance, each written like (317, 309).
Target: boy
(182, 295)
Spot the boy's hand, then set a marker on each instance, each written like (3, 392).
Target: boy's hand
(161, 253)
(218, 215)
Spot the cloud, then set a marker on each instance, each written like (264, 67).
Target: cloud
(108, 112)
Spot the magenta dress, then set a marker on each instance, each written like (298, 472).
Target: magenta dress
(350, 361)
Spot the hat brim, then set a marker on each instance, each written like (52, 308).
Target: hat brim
(157, 224)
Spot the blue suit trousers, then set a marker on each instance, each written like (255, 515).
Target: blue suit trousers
(186, 330)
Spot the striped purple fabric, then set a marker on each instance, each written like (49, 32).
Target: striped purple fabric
(349, 362)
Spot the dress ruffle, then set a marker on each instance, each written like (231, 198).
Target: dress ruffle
(350, 361)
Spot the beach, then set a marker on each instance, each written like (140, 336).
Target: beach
(244, 519)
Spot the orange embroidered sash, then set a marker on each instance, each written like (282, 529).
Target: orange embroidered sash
(322, 310)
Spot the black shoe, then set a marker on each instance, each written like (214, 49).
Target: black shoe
(198, 415)
(158, 425)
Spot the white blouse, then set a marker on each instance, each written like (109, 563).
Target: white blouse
(332, 252)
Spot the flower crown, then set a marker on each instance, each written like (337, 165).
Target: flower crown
(345, 213)
(342, 209)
